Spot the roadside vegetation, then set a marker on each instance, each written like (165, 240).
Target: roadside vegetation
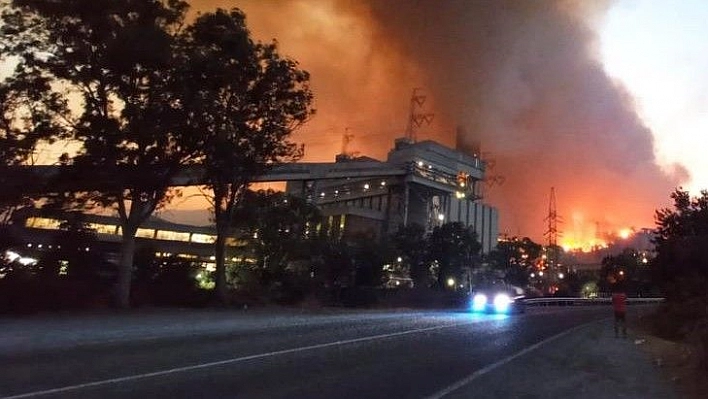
(139, 89)
(681, 268)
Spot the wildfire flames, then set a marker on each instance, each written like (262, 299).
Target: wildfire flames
(522, 78)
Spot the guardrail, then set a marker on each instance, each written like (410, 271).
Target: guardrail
(550, 301)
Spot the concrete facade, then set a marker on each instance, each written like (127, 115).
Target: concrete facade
(438, 185)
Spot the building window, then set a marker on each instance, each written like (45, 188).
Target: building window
(172, 235)
(145, 233)
(203, 238)
(101, 228)
(43, 223)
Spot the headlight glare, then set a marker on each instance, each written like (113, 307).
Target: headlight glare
(479, 302)
(502, 302)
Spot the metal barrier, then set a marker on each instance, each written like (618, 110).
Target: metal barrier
(550, 301)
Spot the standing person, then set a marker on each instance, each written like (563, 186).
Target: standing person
(619, 305)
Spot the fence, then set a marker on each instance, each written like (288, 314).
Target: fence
(550, 301)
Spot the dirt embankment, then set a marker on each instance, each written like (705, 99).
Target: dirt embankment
(678, 360)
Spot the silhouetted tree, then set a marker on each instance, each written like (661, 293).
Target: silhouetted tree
(74, 253)
(515, 258)
(245, 100)
(626, 269)
(279, 230)
(369, 255)
(411, 242)
(118, 59)
(681, 261)
(453, 246)
(28, 107)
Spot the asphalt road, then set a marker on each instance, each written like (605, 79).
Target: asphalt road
(234, 355)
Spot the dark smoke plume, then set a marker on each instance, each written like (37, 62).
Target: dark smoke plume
(523, 78)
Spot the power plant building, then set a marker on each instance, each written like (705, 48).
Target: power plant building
(424, 183)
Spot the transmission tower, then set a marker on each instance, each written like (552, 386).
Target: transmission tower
(417, 118)
(552, 219)
(552, 232)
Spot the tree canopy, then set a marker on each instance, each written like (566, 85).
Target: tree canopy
(146, 92)
(453, 248)
(681, 261)
(516, 258)
(245, 100)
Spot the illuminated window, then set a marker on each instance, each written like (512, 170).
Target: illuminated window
(43, 223)
(342, 222)
(103, 228)
(145, 233)
(172, 235)
(203, 238)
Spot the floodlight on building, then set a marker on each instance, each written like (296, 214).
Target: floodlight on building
(366, 186)
(441, 217)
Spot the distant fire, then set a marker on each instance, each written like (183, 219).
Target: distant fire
(577, 241)
(588, 245)
(624, 233)
(522, 78)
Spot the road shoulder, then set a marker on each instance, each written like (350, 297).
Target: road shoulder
(588, 363)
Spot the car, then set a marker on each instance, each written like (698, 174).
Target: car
(498, 299)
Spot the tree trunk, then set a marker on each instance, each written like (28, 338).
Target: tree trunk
(125, 268)
(219, 251)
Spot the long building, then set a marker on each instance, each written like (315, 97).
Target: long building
(420, 182)
(438, 185)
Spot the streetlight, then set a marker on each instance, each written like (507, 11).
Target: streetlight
(451, 282)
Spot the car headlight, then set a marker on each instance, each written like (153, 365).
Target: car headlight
(502, 302)
(479, 302)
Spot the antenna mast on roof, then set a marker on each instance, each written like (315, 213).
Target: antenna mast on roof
(417, 118)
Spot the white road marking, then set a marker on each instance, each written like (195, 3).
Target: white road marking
(227, 361)
(459, 384)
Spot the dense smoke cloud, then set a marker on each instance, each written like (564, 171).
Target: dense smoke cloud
(522, 77)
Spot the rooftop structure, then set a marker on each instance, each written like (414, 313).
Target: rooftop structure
(437, 185)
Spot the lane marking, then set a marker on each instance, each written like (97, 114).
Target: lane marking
(470, 378)
(70, 388)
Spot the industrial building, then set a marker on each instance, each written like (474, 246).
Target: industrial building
(420, 182)
(424, 183)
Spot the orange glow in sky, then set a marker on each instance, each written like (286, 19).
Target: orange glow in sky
(525, 79)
